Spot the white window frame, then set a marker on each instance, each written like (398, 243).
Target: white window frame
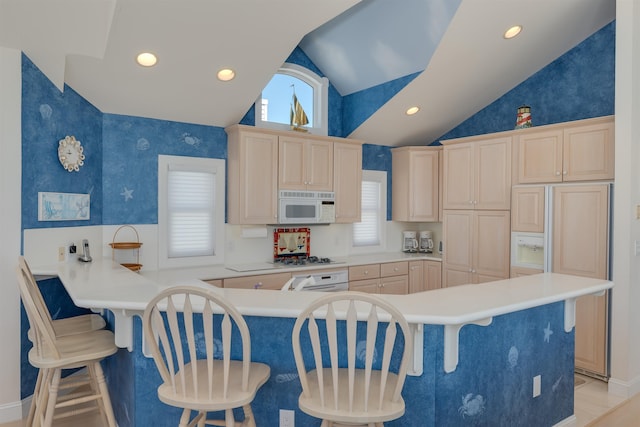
(195, 164)
(381, 178)
(320, 87)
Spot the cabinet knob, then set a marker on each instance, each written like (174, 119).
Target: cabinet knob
(557, 173)
(564, 172)
(257, 285)
(395, 269)
(470, 202)
(366, 272)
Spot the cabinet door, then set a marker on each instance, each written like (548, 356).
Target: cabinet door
(347, 181)
(252, 178)
(397, 285)
(370, 286)
(580, 236)
(292, 158)
(588, 152)
(527, 209)
(457, 227)
(423, 186)
(540, 156)
(591, 333)
(493, 174)
(580, 230)
(394, 268)
(417, 282)
(319, 166)
(458, 176)
(433, 275)
(492, 237)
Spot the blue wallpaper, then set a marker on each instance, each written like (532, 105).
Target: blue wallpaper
(130, 164)
(578, 85)
(49, 115)
(491, 386)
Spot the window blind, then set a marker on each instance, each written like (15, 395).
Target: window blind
(367, 231)
(190, 213)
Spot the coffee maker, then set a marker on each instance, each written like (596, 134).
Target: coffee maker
(425, 243)
(409, 241)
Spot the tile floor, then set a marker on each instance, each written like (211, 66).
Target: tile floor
(591, 402)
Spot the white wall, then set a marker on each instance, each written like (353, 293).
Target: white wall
(625, 315)
(10, 194)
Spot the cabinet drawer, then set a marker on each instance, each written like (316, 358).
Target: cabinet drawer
(263, 281)
(394, 269)
(214, 282)
(368, 285)
(359, 272)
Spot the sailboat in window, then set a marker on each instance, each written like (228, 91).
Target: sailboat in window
(297, 117)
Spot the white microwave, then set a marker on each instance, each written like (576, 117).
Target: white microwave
(306, 207)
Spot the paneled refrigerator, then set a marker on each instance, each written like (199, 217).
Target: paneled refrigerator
(565, 228)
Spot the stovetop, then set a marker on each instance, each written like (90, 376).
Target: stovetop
(301, 260)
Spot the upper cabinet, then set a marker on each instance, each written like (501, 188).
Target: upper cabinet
(347, 180)
(252, 176)
(262, 161)
(477, 173)
(576, 151)
(305, 164)
(415, 182)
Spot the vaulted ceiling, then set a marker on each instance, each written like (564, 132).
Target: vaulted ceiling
(455, 45)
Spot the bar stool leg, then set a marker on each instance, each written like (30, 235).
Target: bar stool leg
(105, 402)
(54, 386)
(34, 399)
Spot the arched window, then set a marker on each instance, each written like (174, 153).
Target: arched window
(273, 107)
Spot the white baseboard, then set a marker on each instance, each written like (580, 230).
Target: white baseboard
(13, 411)
(624, 389)
(567, 422)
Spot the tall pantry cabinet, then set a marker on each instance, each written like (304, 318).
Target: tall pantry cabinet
(476, 217)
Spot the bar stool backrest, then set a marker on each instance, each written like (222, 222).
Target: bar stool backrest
(37, 312)
(176, 322)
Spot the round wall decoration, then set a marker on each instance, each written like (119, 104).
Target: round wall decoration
(70, 153)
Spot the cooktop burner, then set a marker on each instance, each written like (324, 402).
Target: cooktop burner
(301, 260)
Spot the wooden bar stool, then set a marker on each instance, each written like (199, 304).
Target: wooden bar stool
(64, 344)
(346, 381)
(205, 380)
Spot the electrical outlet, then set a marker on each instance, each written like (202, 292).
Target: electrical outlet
(61, 253)
(287, 418)
(537, 380)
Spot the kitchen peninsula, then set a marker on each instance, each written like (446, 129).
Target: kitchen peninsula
(518, 329)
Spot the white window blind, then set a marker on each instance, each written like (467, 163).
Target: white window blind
(367, 231)
(190, 213)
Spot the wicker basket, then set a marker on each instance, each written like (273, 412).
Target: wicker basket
(132, 246)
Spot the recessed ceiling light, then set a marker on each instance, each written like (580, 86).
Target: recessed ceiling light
(226, 74)
(147, 59)
(411, 111)
(512, 32)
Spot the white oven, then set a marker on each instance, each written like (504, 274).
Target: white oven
(306, 207)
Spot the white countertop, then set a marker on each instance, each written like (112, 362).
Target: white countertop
(103, 284)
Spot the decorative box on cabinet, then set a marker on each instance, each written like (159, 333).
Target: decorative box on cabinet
(477, 173)
(477, 246)
(305, 164)
(252, 176)
(583, 150)
(347, 180)
(415, 183)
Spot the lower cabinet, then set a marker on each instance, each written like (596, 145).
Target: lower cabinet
(214, 282)
(476, 246)
(386, 278)
(424, 275)
(262, 281)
